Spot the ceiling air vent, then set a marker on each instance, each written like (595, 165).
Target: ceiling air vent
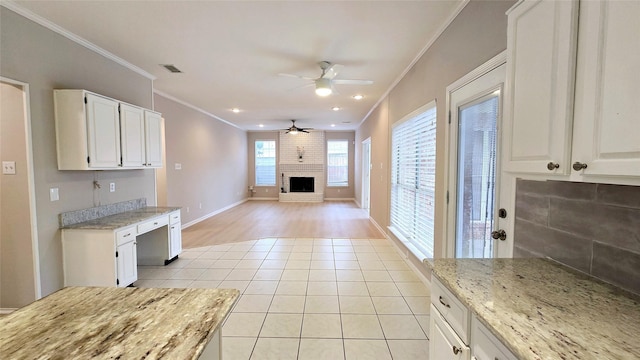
(171, 68)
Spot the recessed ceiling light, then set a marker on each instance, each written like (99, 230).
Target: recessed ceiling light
(171, 68)
(358, 97)
(333, 125)
(261, 125)
(235, 110)
(335, 108)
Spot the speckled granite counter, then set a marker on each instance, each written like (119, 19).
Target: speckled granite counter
(112, 323)
(122, 219)
(542, 310)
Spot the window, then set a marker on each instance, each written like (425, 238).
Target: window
(265, 162)
(338, 163)
(413, 160)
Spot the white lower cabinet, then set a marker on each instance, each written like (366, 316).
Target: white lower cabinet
(455, 334)
(485, 346)
(127, 264)
(175, 235)
(444, 343)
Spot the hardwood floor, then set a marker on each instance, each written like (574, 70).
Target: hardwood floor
(261, 219)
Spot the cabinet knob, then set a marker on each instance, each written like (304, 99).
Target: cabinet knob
(552, 166)
(499, 234)
(456, 350)
(577, 166)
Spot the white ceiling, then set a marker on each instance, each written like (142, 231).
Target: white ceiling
(231, 52)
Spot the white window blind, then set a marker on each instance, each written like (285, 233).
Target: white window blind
(265, 162)
(413, 160)
(337, 163)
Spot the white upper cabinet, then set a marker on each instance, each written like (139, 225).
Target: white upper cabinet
(607, 112)
(583, 127)
(541, 47)
(153, 140)
(132, 135)
(94, 132)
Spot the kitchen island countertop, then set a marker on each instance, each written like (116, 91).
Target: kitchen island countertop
(112, 323)
(542, 310)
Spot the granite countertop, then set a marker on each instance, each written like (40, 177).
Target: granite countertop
(112, 323)
(122, 219)
(543, 310)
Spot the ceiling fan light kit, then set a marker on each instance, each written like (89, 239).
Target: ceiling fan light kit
(323, 87)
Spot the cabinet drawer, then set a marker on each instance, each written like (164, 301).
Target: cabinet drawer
(126, 235)
(153, 224)
(444, 343)
(174, 217)
(485, 346)
(453, 311)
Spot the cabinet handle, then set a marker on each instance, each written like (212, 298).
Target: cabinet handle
(577, 166)
(443, 303)
(126, 235)
(135, 243)
(552, 166)
(173, 227)
(456, 350)
(155, 223)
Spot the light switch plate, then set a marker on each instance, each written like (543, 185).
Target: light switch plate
(53, 194)
(178, 166)
(9, 167)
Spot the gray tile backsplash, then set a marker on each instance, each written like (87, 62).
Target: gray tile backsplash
(594, 228)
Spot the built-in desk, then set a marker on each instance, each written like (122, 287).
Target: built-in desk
(107, 251)
(115, 323)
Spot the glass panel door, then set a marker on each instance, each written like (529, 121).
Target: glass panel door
(476, 180)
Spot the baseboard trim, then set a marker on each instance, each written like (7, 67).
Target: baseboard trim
(262, 199)
(7, 311)
(339, 199)
(404, 254)
(193, 222)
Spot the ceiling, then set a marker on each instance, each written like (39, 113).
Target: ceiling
(231, 52)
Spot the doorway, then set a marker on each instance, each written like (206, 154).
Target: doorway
(475, 106)
(366, 174)
(19, 269)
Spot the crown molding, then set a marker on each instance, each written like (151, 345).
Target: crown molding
(182, 102)
(9, 4)
(433, 39)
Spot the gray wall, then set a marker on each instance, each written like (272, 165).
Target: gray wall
(17, 282)
(476, 35)
(45, 60)
(213, 158)
(594, 228)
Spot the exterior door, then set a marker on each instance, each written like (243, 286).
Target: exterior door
(476, 113)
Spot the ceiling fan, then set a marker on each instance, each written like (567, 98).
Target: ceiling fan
(293, 129)
(324, 84)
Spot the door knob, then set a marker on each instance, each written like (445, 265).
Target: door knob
(499, 234)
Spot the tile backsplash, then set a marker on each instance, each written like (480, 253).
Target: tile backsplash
(594, 228)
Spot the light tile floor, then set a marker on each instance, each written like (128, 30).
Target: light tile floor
(309, 298)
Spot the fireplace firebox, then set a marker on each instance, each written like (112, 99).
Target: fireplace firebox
(301, 184)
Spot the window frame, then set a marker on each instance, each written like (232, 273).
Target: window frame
(255, 161)
(347, 181)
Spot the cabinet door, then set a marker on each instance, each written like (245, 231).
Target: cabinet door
(175, 240)
(132, 127)
(541, 46)
(127, 264)
(486, 346)
(607, 124)
(153, 141)
(103, 127)
(444, 344)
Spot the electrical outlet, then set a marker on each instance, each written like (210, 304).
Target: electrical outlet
(178, 166)
(266, 190)
(9, 167)
(112, 187)
(187, 209)
(200, 205)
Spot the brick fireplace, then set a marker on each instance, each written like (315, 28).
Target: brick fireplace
(302, 155)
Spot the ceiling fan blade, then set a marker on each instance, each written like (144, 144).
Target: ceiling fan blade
(296, 76)
(352, 82)
(301, 86)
